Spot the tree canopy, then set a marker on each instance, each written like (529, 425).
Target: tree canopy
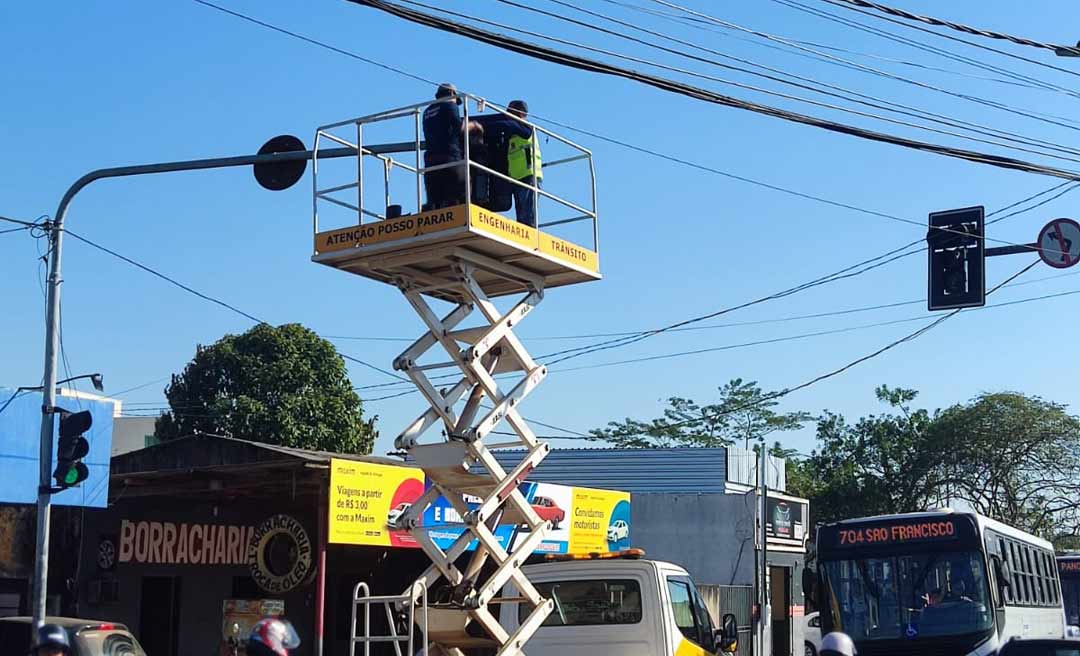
(743, 413)
(1006, 455)
(282, 385)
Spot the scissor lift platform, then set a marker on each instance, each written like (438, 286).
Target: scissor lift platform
(424, 247)
(465, 254)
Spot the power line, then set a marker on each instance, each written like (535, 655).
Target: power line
(583, 63)
(836, 372)
(801, 82)
(595, 135)
(926, 47)
(696, 23)
(206, 297)
(1071, 51)
(876, 71)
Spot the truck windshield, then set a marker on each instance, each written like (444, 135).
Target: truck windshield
(577, 603)
(909, 595)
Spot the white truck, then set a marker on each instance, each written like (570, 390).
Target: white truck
(616, 606)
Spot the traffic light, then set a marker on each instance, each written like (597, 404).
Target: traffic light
(955, 259)
(72, 448)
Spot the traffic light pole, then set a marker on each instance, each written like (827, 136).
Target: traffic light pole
(55, 229)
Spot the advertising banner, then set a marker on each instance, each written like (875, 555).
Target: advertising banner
(365, 498)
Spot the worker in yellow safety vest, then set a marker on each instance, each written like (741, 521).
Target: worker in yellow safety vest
(523, 165)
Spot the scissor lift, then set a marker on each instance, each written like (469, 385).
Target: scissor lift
(466, 255)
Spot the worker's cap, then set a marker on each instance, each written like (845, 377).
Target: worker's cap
(519, 105)
(446, 90)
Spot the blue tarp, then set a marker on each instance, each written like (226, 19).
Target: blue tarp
(20, 428)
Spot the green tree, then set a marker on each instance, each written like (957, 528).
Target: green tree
(283, 385)
(743, 413)
(1015, 458)
(885, 463)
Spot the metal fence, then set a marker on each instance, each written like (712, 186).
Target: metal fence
(735, 599)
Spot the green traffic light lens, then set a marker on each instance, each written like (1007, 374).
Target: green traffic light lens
(71, 477)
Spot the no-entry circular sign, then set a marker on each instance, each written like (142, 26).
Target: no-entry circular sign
(1059, 243)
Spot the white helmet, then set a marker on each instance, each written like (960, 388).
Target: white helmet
(837, 643)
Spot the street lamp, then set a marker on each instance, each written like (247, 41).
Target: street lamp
(279, 164)
(95, 380)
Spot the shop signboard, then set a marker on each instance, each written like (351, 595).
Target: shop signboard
(785, 518)
(365, 498)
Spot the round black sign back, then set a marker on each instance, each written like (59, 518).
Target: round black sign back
(277, 176)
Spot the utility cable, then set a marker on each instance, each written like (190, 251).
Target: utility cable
(206, 297)
(879, 72)
(1067, 51)
(589, 133)
(800, 82)
(836, 372)
(583, 63)
(698, 24)
(926, 47)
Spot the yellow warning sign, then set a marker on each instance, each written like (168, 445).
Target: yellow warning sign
(403, 227)
(568, 252)
(500, 226)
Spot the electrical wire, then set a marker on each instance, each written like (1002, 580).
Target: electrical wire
(586, 64)
(925, 47)
(1058, 121)
(592, 134)
(1068, 51)
(836, 372)
(698, 24)
(800, 82)
(206, 297)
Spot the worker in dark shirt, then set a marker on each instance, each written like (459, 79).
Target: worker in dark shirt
(523, 162)
(444, 134)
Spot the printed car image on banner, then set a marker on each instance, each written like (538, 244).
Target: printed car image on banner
(583, 520)
(366, 497)
(600, 521)
(551, 502)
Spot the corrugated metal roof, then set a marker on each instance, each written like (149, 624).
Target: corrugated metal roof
(631, 470)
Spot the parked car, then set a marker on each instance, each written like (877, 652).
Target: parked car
(88, 637)
(396, 512)
(812, 633)
(620, 530)
(548, 510)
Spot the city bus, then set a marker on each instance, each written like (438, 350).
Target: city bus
(940, 582)
(1069, 570)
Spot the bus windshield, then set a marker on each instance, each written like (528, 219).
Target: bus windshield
(909, 595)
(1070, 595)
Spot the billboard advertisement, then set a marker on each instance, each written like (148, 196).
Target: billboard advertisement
(20, 443)
(365, 498)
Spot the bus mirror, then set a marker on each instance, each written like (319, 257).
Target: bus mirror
(729, 634)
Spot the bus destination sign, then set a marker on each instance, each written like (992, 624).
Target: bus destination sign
(897, 533)
(1070, 567)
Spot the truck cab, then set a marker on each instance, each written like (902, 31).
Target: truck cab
(618, 606)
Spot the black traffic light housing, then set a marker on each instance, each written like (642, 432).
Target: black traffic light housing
(72, 447)
(956, 257)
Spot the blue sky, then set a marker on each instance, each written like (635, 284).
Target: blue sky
(104, 84)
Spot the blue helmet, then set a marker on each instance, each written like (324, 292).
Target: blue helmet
(52, 636)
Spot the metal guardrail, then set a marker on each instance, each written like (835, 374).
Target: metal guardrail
(355, 141)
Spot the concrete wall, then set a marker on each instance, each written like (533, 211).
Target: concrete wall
(130, 433)
(711, 535)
